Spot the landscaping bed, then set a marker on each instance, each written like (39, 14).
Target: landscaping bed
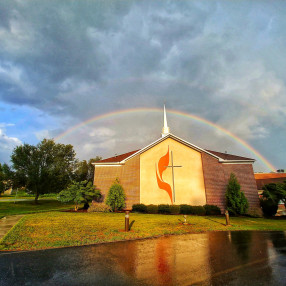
(61, 229)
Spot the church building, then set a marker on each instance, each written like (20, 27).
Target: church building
(171, 170)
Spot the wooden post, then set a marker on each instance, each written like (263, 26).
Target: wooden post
(126, 221)
(227, 217)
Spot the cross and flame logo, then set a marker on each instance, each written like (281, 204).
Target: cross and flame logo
(162, 166)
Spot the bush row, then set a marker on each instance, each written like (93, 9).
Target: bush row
(177, 209)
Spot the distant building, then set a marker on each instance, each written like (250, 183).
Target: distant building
(267, 178)
(171, 170)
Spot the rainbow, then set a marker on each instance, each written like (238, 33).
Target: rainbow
(175, 112)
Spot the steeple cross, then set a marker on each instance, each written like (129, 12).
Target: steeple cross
(172, 166)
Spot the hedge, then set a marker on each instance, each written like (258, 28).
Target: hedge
(152, 209)
(140, 208)
(212, 210)
(177, 209)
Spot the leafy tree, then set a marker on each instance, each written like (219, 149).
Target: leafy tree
(116, 196)
(85, 170)
(44, 168)
(269, 207)
(236, 202)
(271, 196)
(275, 192)
(81, 171)
(79, 192)
(2, 184)
(6, 178)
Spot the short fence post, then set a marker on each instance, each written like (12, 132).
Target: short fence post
(227, 217)
(126, 221)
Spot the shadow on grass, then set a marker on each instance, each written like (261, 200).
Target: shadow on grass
(215, 221)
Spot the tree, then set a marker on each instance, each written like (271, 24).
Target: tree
(275, 192)
(85, 170)
(271, 196)
(6, 178)
(44, 168)
(80, 192)
(116, 196)
(2, 184)
(236, 202)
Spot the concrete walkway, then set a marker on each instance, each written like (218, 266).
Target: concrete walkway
(6, 223)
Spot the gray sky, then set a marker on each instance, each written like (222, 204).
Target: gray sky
(63, 62)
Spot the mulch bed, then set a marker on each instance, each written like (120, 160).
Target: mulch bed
(73, 211)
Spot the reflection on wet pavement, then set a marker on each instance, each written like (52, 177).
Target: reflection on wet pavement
(215, 258)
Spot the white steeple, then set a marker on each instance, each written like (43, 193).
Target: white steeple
(166, 129)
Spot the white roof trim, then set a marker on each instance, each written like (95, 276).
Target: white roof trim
(179, 140)
(118, 164)
(164, 138)
(237, 161)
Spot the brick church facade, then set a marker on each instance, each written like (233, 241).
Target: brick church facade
(174, 171)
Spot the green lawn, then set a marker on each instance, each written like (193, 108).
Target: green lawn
(29, 206)
(58, 229)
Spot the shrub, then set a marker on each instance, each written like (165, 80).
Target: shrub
(198, 210)
(79, 192)
(164, 209)
(212, 210)
(152, 209)
(140, 208)
(236, 202)
(116, 196)
(174, 209)
(269, 207)
(185, 209)
(99, 207)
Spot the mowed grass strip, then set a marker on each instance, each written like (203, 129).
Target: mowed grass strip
(59, 229)
(29, 206)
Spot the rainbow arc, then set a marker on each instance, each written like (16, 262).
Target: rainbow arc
(201, 120)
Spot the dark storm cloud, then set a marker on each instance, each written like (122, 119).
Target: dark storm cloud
(216, 59)
(87, 43)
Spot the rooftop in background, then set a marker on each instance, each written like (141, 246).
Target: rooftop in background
(260, 176)
(269, 178)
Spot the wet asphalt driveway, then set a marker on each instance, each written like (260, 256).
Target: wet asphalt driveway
(215, 258)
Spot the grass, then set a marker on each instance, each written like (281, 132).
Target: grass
(29, 206)
(59, 229)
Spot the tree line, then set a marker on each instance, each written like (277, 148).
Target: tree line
(47, 167)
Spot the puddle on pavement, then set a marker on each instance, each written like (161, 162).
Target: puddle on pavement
(215, 258)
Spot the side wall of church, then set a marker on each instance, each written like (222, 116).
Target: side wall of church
(215, 181)
(129, 177)
(246, 179)
(216, 177)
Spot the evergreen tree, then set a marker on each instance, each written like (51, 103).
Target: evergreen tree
(236, 202)
(116, 196)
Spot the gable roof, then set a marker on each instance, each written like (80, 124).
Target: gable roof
(117, 158)
(227, 156)
(222, 157)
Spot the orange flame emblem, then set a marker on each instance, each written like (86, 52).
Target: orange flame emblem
(162, 166)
